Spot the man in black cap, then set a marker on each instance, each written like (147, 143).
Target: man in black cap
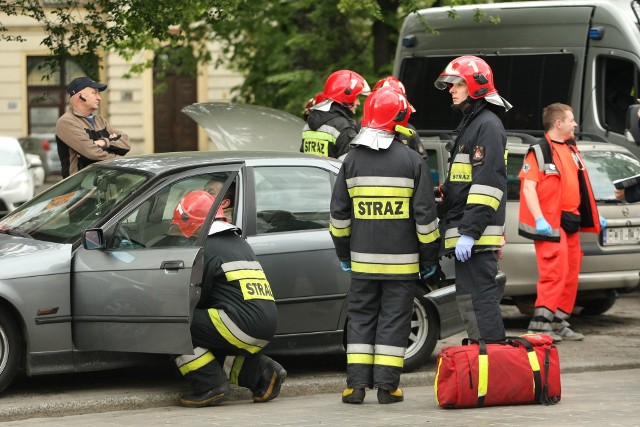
(85, 137)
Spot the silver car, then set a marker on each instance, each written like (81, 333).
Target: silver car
(91, 276)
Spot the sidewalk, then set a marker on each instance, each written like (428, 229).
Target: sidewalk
(603, 356)
(588, 399)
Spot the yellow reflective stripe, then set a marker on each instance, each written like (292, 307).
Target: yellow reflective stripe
(244, 274)
(380, 181)
(482, 241)
(363, 191)
(460, 172)
(435, 383)
(385, 360)
(506, 152)
(365, 359)
(380, 208)
(480, 199)
(317, 136)
(236, 367)
(340, 232)
(428, 238)
(198, 363)
(227, 335)
(533, 360)
(483, 374)
(256, 289)
(360, 267)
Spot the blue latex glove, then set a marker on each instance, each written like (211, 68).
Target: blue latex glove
(463, 248)
(345, 266)
(543, 227)
(428, 271)
(603, 222)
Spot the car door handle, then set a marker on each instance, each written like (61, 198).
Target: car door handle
(172, 265)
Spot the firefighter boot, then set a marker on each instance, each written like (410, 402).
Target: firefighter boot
(270, 382)
(390, 396)
(212, 397)
(353, 395)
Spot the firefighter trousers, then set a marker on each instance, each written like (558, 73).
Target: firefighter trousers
(216, 360)
(478, 296)
(378, 330)
(558, 269)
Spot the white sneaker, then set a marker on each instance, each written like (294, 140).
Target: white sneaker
(569, 335)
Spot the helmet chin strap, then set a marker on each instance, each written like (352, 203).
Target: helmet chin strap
(463, 105)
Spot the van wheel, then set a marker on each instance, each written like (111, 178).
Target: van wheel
(425, 330)
(593, 307)
(10, 349)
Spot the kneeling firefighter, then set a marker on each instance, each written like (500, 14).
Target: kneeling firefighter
(235, 318)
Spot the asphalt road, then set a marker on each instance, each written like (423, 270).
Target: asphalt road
(612, 343)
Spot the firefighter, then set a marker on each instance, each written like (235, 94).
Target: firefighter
(474, 194)
(330, 125)
(412, 141)
(384, 228)
(556, 201)
(235, 318)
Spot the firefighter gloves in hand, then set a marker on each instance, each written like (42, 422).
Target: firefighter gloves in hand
(463, 248)
(345, 266)
(543, 227)
(428, 271)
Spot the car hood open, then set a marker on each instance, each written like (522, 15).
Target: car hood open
(21, 257)
(247, 127)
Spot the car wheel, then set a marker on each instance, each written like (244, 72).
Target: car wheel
(595, 306)
(425, 330)
(10, 349)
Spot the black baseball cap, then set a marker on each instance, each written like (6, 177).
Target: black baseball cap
(80, 83)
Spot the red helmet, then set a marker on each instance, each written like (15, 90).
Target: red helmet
(317, 99)
(474, 71)
(391, 82)
(344, 86)
(385, 109)
(191, 212)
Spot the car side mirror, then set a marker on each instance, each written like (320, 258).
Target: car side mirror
(632, 129)
(93, 238)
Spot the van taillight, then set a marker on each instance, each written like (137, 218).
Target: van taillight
(45, 145)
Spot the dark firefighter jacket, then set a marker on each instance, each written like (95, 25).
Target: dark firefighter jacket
(328, 133)
(383, 213)
(235, 282)
(474, 191)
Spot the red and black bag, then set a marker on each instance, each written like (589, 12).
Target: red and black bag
(518, 370)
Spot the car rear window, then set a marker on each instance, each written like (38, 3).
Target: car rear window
(607, 166)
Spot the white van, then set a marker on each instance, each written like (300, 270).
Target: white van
(585, 53)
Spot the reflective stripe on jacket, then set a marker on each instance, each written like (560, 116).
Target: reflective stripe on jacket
(328, 133)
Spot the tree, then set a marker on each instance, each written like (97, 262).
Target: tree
(284, 48)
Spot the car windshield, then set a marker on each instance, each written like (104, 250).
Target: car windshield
(10, 156)
(61, 213)
(607, 166)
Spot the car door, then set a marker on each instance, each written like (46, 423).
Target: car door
(294, 247)
(137, 294)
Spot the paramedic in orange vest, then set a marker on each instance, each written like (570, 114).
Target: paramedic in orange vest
(556, 201)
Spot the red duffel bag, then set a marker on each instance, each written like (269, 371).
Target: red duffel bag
(515, 371)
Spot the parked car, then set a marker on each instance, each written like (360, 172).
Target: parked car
(35, 169)
(610, 262)
(46, 147)
(16, 181)
(90, 278)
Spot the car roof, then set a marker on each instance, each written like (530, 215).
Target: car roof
(518, 146)
(164, 162)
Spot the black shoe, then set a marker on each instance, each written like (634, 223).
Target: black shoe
(390, 396)
(212, 397)
(270, 382)
(353, 395)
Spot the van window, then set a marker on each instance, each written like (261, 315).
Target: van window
(514, 164)
(529, 82)
(618, 89)
(432, 162)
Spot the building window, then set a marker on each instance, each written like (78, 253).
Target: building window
(46, 92)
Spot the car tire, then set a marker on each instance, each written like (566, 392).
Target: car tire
(596, 306)
(425, 330)
(10, 349)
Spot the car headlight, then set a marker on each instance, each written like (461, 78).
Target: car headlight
(18, 181)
